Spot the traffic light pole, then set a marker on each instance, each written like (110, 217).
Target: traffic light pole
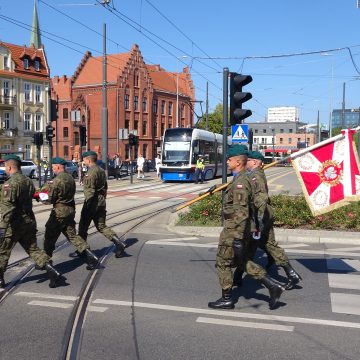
(131, 173)
(225, 131)
(38, 149)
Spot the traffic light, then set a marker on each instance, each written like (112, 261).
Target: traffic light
(237, 98)
(133, 140)
(38, 139)
(49, 132)
(82, 135)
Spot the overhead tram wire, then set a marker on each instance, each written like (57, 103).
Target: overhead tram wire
(181, 32)
(114, 12)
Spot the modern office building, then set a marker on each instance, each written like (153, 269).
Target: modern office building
(347, 119)
(283, 114)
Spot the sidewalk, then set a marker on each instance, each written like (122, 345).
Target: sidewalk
(281, 235)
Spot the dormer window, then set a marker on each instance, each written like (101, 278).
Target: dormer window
(6, 63)
(26, 63)
(37, 65)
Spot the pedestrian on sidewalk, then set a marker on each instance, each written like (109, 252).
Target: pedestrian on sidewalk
(157, 165)
(140, 166)
(263, 214)
(235, 236)
(117, 165)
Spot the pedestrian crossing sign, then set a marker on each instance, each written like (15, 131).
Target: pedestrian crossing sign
(240, 133)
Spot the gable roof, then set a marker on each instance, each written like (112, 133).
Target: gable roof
(19, 52)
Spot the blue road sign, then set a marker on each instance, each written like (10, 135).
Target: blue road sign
(240, 133)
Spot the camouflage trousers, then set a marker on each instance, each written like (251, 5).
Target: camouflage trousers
(25, 235)
(66, 225)
(225, 260)
(98, 215)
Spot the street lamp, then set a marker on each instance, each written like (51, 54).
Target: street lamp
(177, 90)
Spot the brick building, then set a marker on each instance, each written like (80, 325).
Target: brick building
(141, 98)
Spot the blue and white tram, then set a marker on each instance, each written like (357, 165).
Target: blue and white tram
(181, 148)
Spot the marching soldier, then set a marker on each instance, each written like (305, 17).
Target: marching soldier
(234, 238)
(61, 192)
(17, 221)
(94, 208)
(264, 219)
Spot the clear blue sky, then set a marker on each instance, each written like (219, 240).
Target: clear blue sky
(219, 29)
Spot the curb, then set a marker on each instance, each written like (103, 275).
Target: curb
(281, 235)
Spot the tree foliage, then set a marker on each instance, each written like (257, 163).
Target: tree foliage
(215, 120)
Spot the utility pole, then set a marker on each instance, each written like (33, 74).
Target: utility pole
(225, 131)
(207, 106)
(104, 117)
(343, 109)
(318, 127)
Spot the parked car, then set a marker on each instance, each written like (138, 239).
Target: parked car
(70, 168)
(28, 168)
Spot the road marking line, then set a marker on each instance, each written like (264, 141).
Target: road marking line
(344, 281)
(50, 304)
(246, 324)
(343, 265)
(131, 197)
(154, 197)
(356, 248)
(345, 303)
(157, 242)
(97, 308)
(45, 296)
(322, 252)
(290, 246)
(235, 314)
(176, 239)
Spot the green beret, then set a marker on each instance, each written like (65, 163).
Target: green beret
(58, 160)
(236, 150)
(256, 155)
(12, 157)
(89, 153)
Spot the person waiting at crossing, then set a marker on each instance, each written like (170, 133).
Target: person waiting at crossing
(200, 167)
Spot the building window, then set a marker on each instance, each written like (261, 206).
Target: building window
(263, 141)
(299, 139)
(290, 131)
(144, 104)
(27, 151)
(136, 102)
(76, 138)
(6, 123)
(126, 101)
(136, 125)
(26, 63)
(144, 150)
(264, 131)
(136, 79)
(281, 131)
(38, 93)
(6, 63)
(66, 151)
(182, 111)
(144, 127)
(170, 108)
(308, 140)
(27, 91)
(37, 65)
(281, 140)
(155, 106)
(27, 120)
(65, 113)
(256, 131)
(6, 88)
(66, 132)
(127, 124)
(255, 140)
(170, 125)
(37, 122)
(162, 129)
(290, 140)
(162, 107)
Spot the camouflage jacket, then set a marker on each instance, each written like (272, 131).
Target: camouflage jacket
(16, 200)
(261, 201)
(95, 185)
(237, 200)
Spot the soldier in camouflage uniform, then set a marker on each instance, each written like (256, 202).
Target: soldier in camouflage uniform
(61, 192)
(94, 208)
(17, 221)
(264, 219)
(234, 239)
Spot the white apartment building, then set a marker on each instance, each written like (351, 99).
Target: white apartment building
(283, 114)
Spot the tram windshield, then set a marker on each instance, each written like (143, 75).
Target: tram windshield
(176, 149)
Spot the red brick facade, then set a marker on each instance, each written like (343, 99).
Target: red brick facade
(139, 97)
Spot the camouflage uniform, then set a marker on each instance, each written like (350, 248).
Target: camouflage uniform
(264, 212)
(61, 194)
(94, 209)
(237, 225)
(17, 217)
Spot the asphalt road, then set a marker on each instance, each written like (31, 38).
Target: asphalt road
(152, 304)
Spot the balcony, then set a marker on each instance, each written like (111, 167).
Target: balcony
(8, 133)
(7, 100)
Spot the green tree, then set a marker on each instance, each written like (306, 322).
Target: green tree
(215, 120)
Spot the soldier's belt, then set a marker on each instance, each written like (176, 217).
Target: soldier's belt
(71, 204)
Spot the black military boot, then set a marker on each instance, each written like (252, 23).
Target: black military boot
(270, 260)
(275, 290)
(54, 275)
(119, 246)
(225, 302)
(293, 276)
(2, 280)
(91, 259)
(237, 278)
